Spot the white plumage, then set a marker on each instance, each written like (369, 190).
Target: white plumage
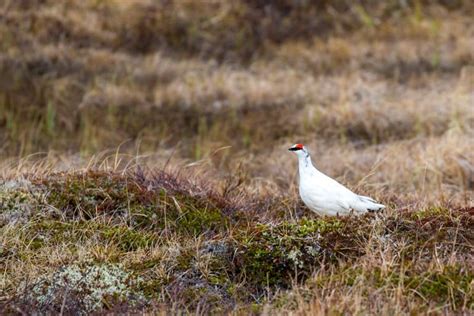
(326, 196)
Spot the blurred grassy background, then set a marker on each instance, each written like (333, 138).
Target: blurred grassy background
(359, 81)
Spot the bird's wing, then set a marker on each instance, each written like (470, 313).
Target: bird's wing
(367, 198)
(347, 199)
(367, 204)
(335, 187)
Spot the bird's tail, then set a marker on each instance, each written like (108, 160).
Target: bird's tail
(370, 204)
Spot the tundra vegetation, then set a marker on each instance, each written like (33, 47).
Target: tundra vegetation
(143, 163)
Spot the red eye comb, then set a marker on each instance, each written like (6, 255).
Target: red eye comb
(296, 147)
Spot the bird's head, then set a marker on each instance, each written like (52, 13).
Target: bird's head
(299, 150)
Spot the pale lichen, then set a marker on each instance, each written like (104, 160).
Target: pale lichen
(294, 255)
(85, 288)
(18, 199)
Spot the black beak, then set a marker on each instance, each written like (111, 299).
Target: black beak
(293, 149)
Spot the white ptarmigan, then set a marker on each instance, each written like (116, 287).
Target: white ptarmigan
(326, 196)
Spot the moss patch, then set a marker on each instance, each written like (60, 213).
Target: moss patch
(154, 204)
(275, 255)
